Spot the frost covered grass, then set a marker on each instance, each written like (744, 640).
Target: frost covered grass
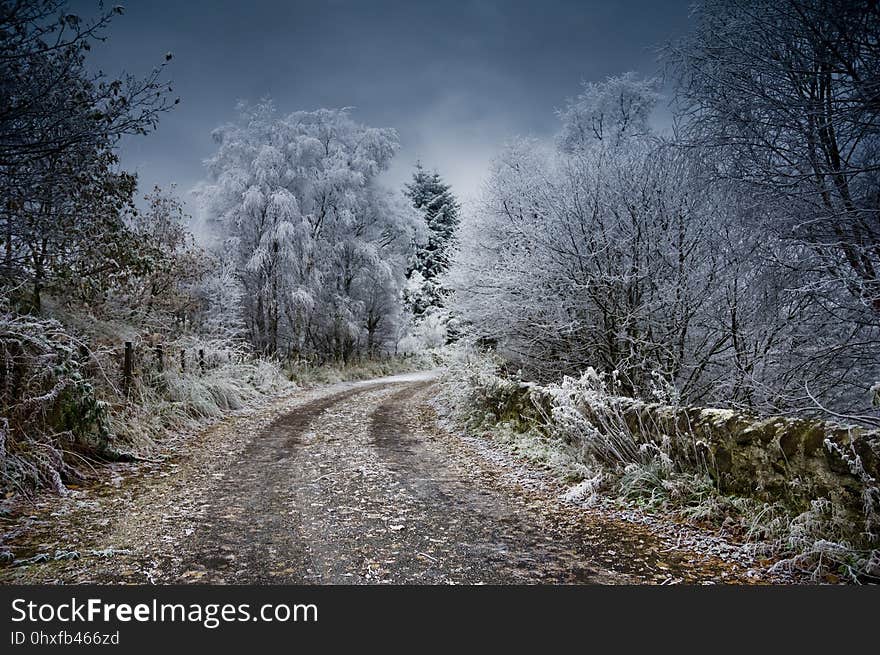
(175, 399)
(50, 409)
(578, 431)
(64, 411)
(64, 407)
(306, 375)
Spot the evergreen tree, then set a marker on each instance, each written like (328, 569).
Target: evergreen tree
(433, 198)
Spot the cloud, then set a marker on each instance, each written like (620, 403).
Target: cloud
(458, 138)
(457, 79)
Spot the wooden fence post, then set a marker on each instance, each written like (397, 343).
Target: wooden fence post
(126, 368)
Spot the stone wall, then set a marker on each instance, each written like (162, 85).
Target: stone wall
(776, 459)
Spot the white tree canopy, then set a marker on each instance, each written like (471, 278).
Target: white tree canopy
(320, 245)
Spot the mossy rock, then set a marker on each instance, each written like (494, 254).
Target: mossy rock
(723, 459)
(789, 442)
(836, 463)
(814, 440)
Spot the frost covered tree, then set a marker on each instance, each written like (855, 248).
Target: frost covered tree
(172, 271)
(62, 219)
(439, 210)
(628, 255)
(782, 97)
(788, 92)
(320, 248)
(591, 255)
(609, 112)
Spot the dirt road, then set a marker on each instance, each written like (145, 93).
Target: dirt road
(355, 484)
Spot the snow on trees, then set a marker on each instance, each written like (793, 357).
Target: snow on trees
(439, 210)
(64, 202)
(620, 251)
(786, 92)
(319, 246)
(607, 112)
(591, 255)
(782, 98)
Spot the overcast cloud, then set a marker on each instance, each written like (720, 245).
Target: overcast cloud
(456, 79)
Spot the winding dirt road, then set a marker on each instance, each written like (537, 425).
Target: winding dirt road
(351, 484)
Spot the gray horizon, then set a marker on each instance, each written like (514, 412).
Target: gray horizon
(455, 80)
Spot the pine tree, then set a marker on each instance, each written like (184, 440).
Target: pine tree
(440, 211)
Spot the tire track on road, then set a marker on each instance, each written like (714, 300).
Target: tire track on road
(252, 527)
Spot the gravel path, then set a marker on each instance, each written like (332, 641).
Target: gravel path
(350, 484)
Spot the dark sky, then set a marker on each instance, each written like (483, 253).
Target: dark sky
(455, 78)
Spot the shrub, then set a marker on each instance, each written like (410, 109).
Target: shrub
(49, 412)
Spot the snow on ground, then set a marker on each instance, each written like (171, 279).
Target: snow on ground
(415, 376)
